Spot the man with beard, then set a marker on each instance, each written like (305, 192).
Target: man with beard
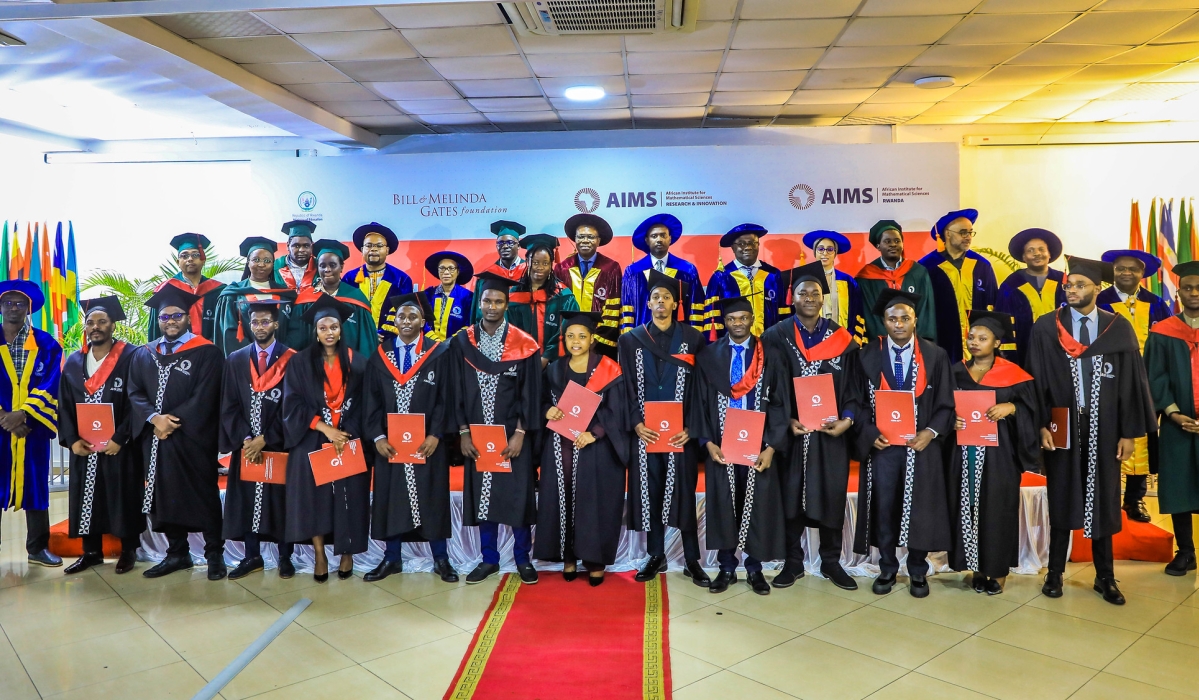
(890, 270)
(297, 269)
(746, 276)
(1029, 294)
(592, 277)
(962, 280)
(358, 332)
(1086, 361)
(815, 472)
(410, 374)
(174, 389)
(191, 279)
(377, 279)
(106, 495)
(654, 237)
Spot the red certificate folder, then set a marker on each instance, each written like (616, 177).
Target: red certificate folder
(579, 404)
(742, 439)
(490, 441)
(328, 466)
(895, 415)
(972, 407)
(1059, 427)
(815, 400)
(666, 419)
(405, 433)
(271, 470)
(96, 424)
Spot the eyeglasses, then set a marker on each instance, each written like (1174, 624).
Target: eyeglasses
(964, 233)
(1080, 286)
(171, 317)
(505, 244)
(447, 268)
(374, 246)
(191, 256)
(21, 304)
(825, 250)
(255, 323)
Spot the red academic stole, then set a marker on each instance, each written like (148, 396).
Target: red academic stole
(196, 312)
(893, 278)
(403, 377)
(93, 383)
(1072, 347)
(273, 375)
(606, 372)
(310, 295)
(335, 389)
(517, 346)
(752, 373)
(290, 279)
(536, 301)
(195, 342)
(917, 359)
(1002, 374)
(826, 349)
(1178, 329)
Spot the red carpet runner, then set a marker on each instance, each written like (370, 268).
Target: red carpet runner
(568, 640)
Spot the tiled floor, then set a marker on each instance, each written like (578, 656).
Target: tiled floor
(98, 635)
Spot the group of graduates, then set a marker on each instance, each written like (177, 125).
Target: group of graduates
(301, 354)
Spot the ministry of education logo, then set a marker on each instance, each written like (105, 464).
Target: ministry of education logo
(587, 200)
(801, 196)
(306, 200)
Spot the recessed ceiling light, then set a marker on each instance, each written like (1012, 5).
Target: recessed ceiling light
(933, 82)
(584, 93)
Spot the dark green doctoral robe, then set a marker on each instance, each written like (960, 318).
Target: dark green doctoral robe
(540, 317)
(358, 332)
(1169, 361)
(233, 314)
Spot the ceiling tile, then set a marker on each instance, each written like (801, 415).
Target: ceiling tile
(531, 126)
(589, 114)
(960, 76)
(848, 78)
(485, 128)
(1074, 91)
(456, 118)
(365, 108)
(807, 96)
(434, 106)
(819, 110)
(869, 56)
(1102, 111)
(896, 31)
(1150, 4)
(765, 97)
(353, 46)
(1119, 27)
(1182, 74)
(925, 118)
(997, 119)
(1170, 53)
(347, 19)
(609, 102)
(458, 14)
(1108, 73)
(1040, 109)
(786, 33)
(293, 73)
(784, 120)
(671, 84)
(509, 87)
(992, 93)
(894, 8)
(332, 92)
(673, 61)
(968, 55)
(1057, 54)
(684, 99)
(415, 90)
(668, 112)
(911, 94)
(258, 49)
(521, 117)
(743, 60)
(576, 64)
(538, 43)
(760, 80)
(1153, 91)
(797, 9)
(461, 41)
(1006, 29)
(1013, 6)
(398, 124)
(890, 109)
(480, 67)
(511, 104)
(717, 10)
(1025, 75)
(708, 36)
(387, 71)
(964, 108)
(744, 110)
(556, 87)
(1187, 31)
(207, 25)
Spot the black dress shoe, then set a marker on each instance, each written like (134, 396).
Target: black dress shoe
(596, 580)
(45, 558)
(656, 565)
(697, 574)
(835, 573)
(320, 578)
(787, 576)
(383, 570)
(84, 563)
(882, 585)
(720, 584)
(1053, 585)
(757, 582)
(994, 587)
(286, 568)
(1138, 512)
(216, 568)
(1110, 591)
(126, 562)
(444, 569)
(482, 572)
(343, 575)
(1181, 564)
(570, 575)
(528, 574)
(918, 587)
(169, 566)
(978, 582)
(246, 567)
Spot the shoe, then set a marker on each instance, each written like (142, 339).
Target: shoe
(656, 565)
(918, 587)
(169, 566)
(720, 584)
(882, 585)
(1053, 585)
(343, 575)
(383, 570)
(1182, 563)
(570, 575)
(528, 574)
(246, 567)
(482, 572)
(1110, 591)
(286, 568)
(126, 562)
(994, 587)
(757, 582)
(216, 568)
(834, 573)
(696, 573)
(787, 576)
(445, 570)
(1138, 512)
(45, 558)
(596, 580)
(84, 563)
(978, 582)
(321, 578)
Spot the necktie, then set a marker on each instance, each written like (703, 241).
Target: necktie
(737, 371)
(660, 266)
(261, 362)
(170, 346)
(1084, 337)
(899, 367)
(407, 357)
(748, 272)
(584, 267)
(1084, 333)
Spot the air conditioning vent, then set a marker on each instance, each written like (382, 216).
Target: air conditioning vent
(566, 17)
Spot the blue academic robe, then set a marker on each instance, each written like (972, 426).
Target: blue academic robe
(634, 295)
(395, 282)
(1021, 300)
(850, 314)
(1148, 309)
(26, 460)
(973, 289)
(769, 297)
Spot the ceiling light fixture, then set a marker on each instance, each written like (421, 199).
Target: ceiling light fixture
(584, 93)
(934, 81)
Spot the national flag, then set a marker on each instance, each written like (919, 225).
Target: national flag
(35, 276)
(1184, 251)
(47, 283)
(72, 287)
(60, 282)
(25, 259)
(4, 252)
(1151, 283)
(1165, 246)
(14, 260)
(1135, 240)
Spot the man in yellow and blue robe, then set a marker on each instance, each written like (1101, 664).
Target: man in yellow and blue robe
(654, 237)
(1029, 294)
(746, 276)
(377, 279)
(592, 277)
(961, 275)
(843, 303)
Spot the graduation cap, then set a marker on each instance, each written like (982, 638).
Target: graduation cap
(731, 305)
(1015, 247)
(328, 245)
(811, 238)
(28, 289)
(327, 305)
(726, 241)
(939, 227)
(361, 232)
(670, 221)
(589, 319)
(881, 227)
(812, 272)
(536, 240)
(299, 228)
(1186, 269)
(465, 269)
(661, 279)
(490, 280)
(1094, 270)
(999, 324)
(891, 297)
(190, 240)
(254, 243)
(1152, 263)
(507, 228)
(110, 305)
(266, 304)
(603, 228)
(416, 299)
(170, 295)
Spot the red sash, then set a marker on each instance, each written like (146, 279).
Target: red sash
(536, 301)
(273, 374)
(917, 357)
(195, 342)
(893, 278)
(750, 379)
(826, 349)
(290, 279)
(517, 346)
(93, 383)
(310, 295)
(1178, 329)
(606, 372)
(403, 377)
(1072, 347)
(196, 312)
(1003, 373)
(335, 391)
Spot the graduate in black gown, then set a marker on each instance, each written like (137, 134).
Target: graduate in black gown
(410, 373)
(744, 503)
(815, 471)
(658, 362)
(175, 390)
(106, 495)
(498, 368)
(583, 480)
(322, 405)
(984, 482)
(252, 423)
(1088, 360)
(903, 499)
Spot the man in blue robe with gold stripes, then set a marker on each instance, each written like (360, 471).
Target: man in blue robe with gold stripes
(654, 237)
(746, 276)
(377, 279)
(960, 274)
(1029, 294)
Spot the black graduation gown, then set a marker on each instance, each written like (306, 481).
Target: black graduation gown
(106, 493)
(926, 516)
(181, 471)
(497, 497)
(815, 486)
(411, 501)
(252, 506)
(988, 540)
(1085, 494)
(677, 382)
(339, 511)
(761, 501)
(591, 480)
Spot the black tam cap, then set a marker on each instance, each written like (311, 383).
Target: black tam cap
(812, 272)
(490, 280)
(416, 299)
(999, 324)
(110, 305)
(731, 305)
(1095, 270)
(661, 279)
(588, 319)
(327, 305)
(891, 297)
(602, 228)
(271, 305)
(170, 295)
(362, 232)
(1186, 269)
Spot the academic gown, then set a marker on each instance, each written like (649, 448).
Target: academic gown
(233, 313)
(253, 507)
(850, 314)
(338, 511)
(909, 276)
(592, 479)
(676, 382)
(203, 312)
(26, 461)
(515, 275)
(106, 495)
(412, 501)
(767, 294)
(634, 295)
(358, 332)
(598, 291)
(985, 497)
(1084, 492)
(924, 520)
(394, 282)
(181, 471)
(1172, 360)
(972, 288)
(540, 315)
(752, 519)
(499, 393)
(284, 272)
(815, 467)
(1019, 298)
